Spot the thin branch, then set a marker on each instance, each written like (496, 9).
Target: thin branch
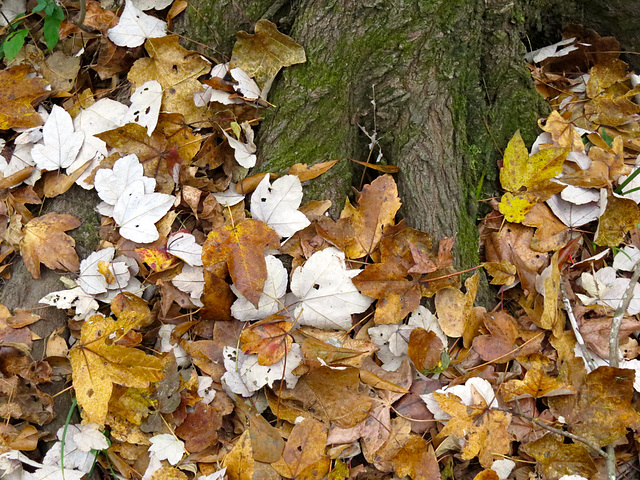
(574, 325)
(616, 323)
(555, 430)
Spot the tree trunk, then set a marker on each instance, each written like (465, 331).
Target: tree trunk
(450, 88)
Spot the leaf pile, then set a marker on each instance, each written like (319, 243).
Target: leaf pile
(218, 336)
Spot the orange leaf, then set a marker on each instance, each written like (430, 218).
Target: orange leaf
(269, 338)
(303, 455)
(306, 172)
(17, 97)
(242, 247)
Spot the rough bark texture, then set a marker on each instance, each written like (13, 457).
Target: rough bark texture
(450, 89)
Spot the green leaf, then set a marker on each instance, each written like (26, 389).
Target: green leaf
(13, 43)
(51, 31)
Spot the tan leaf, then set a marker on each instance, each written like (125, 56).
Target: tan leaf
(264, 53)
(45, 242)
(18, 96)
(503, 272)
(536, 383)
(239, 461)
(417, 460)
(303, 456)
(454, 307)
(555, 458)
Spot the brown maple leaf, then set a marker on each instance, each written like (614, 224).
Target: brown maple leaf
(44, 241)
(18, 95)
(242, 247)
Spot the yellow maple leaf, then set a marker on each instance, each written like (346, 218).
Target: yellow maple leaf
(482, 429)
(98, 362)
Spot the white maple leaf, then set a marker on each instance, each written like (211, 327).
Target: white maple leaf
(167, 447)
(552, 51)
(110, 183)
(574, 215)
(245, 375)
(184, 246)
(277, 205)
(579, 195)
(626, 258)
(206, 392)
(134, 27)
(244, 153)
(245, 86)
(503, 467)
(77, 298)
(327, 296)
(136, 212)
(90, 438)
(229, 197)
(93, 281)
(606, 289)
(191, 281)
(152, 4)
(75, 458)
(145, 105)
(105, 114)
(275, 286)
(61, 142)
(12, 9)
(21, 159)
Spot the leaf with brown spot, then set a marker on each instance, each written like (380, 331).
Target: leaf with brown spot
(242, 247)
(555, 458)
(177, 70)
(483, 431)
(620, 216)
(18, 96)
(44, 241)
(98, 362)
(269, 338)
(267, 440)
(303, 456)
(332, 396)
(604, 410)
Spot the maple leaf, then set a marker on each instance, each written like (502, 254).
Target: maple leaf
(303, 455)
(277, 205)
(242, 247)
(327, 296)
(145, 106)
(44, 241)
(98, 362)
(416, 459)
(61, 143)
(167, 447)
(135, 26)
(603, 410)
(245, 153)
(268, 338)
(270, 302)
(536, 383)
(17, 97)
(454, 307)
(555, 458)
(177, 70)
(359, 229)
(264, 53)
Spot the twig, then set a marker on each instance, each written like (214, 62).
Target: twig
(574, 325)
(557, 431)
(616, 323)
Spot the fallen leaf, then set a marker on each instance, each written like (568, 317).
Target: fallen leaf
(18, 95)
(98, 362)
(44, 241)
(555, 458)
(269, 338)
(303, 456)
(482, 430)
(135, 26)
(454, 307)
(264, 53)
(537, 384)
(417, 460)
(239, 461)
